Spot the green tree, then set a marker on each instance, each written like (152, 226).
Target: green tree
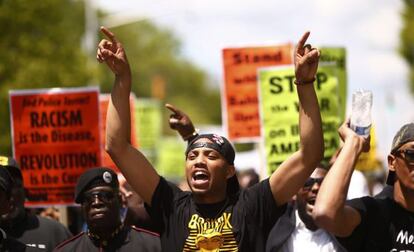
(40, 48)
(407, 38)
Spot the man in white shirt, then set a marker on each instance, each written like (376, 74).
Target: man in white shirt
(296, 230)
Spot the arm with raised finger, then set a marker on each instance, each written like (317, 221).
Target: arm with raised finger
(293, 172)
(136, 168)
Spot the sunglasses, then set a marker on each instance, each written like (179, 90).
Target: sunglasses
(104, 196)
(407, 154)
(311, 181)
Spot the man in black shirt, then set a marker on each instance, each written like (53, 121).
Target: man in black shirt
(367, 223)
(216, 214)
(36, 232)
(98, 193)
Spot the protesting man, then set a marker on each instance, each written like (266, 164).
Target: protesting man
(36, 232)
(6, 185)
(216, 214)
(97, 191)
(296, 230)
(367, 223)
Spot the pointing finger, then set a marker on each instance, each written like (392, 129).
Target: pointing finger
(172, 108)
(108, 34)
(302, 41)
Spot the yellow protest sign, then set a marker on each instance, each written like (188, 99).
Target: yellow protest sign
(148, 117)
(279, 108)
(171, 158)
(337, 56)
(368, 161)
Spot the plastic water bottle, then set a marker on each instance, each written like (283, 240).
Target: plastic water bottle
(361, 112)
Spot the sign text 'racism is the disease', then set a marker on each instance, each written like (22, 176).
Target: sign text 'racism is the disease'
(55, 137)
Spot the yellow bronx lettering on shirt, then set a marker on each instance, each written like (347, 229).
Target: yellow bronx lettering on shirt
(199, 223)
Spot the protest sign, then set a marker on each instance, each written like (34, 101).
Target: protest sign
(148, 126)
(337, 56)
(171, 159)
(55, 138)
(239, 93)
(279, 108)
(368, 161)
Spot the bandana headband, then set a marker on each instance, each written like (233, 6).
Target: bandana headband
(204, 144)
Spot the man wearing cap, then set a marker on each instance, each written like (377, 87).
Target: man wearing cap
(216, 215)
(36, 232)
(6, 184)
(367, 223)
(98, 193)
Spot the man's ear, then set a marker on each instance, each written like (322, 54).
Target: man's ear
(391, 162)
(231, 170)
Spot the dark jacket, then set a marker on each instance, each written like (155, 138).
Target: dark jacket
(282, 229)
(128, 239)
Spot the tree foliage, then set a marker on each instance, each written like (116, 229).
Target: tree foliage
(41, 48)
(407, 39)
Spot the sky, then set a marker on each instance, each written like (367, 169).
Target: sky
(368, 29)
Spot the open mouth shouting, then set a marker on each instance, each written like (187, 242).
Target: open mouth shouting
(200, 178)
(311, 201)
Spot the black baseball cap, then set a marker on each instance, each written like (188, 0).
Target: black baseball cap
(6, 181)
(12, 166)
(98, 176)
(403, 136)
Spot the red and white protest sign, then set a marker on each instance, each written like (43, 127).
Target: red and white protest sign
(56, 136)
(239, 96)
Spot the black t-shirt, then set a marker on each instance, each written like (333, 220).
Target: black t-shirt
(385, 226)
(38, 233)
(241, 223)
(8, 244)
(129, 239)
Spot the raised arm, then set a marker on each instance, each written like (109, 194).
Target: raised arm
(330, 212)
(293, 172)
(137, 170)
